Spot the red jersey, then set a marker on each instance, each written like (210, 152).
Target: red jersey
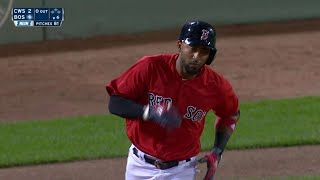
(153, 80)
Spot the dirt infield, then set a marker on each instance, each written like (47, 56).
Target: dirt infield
(59, 79)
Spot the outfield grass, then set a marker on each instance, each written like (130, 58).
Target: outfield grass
(263, 124)
(275, 123)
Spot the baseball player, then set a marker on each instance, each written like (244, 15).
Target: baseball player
(165, 99)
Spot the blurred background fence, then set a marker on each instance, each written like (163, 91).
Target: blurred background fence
(85, 18)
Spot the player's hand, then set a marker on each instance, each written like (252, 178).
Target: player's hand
(165, 115)
(212, 160)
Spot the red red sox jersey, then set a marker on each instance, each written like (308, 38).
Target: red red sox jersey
(154, 80)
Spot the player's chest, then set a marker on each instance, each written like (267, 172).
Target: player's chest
(193, 99)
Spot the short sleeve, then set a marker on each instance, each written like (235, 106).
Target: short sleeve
(133, 82)
(228, 102)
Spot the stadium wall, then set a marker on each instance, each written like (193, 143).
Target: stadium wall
(95, 17)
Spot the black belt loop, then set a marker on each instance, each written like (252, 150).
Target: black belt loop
(135, 151)
(159, 164)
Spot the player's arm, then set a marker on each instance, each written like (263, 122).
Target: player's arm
(228, 114)
(125, 90)
(167, 117)
(125, 108)
(128, 88)
(223, 130)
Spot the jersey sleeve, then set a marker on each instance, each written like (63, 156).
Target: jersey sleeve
(133, 82)
(227, 111)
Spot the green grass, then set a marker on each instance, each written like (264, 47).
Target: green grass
(62, 140)
(263, 124)
(275, 123)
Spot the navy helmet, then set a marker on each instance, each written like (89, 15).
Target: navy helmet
(199, 33)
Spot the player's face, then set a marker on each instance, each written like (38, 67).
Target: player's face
(193, 58)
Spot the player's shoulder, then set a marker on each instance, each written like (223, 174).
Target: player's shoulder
(213, 78)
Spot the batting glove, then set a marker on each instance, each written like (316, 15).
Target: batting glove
(212, 160)
(164, 115)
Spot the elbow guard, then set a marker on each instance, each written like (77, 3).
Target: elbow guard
(229, 123)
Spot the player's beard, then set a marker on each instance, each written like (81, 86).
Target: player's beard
(192, 70)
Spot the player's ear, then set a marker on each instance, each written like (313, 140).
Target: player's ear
(179, 43)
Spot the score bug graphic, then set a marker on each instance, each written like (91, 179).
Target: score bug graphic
(37, 17)
(56, 14)
(19, 14)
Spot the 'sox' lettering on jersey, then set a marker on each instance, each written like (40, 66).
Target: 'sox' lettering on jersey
(194, 114)
(158, 100)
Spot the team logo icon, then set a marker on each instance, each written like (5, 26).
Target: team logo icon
(205, 34)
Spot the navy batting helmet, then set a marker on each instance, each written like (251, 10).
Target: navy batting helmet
(199, 33)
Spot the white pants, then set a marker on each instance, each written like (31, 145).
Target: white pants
(138, 169)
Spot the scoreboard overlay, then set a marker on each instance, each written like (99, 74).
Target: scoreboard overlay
(37, 17)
